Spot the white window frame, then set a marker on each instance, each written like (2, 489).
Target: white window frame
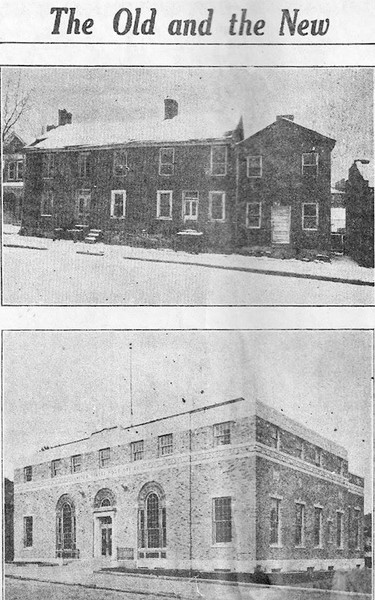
(277, 501)
(168, 163)
(320, 509)
(222, 433)
(340, 530)
(158, 203)
(212, 162)
(104, 457)
(187, 197)
(309, 216)
(210, 197)
(304, 164)
(165, 444)
(137, 450)
(215, 521)
(112, 209)
(76, 465)
(43, 201)
(303, 513)
(12, 167)
(56, 467)
(259, 156)
(259, 216)
(117, 163)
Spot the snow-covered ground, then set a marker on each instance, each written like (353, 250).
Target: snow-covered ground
(61, 274)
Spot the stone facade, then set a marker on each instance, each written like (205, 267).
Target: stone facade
(195, 490)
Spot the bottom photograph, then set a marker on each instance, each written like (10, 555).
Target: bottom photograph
(187, 464)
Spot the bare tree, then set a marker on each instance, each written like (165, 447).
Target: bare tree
(16, 103)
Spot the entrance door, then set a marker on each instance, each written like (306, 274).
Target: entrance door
(280, 224)
(106, 536)
(83, 202)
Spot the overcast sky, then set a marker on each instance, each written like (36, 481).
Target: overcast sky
(59, 386)
(337, 102)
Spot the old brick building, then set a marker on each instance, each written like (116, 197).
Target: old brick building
(160, 178)
(13, 172)
(229, 486)
(359, 200)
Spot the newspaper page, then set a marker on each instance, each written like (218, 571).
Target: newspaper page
(187, 299)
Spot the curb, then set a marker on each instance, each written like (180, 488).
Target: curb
(27, 247)
(261, 271)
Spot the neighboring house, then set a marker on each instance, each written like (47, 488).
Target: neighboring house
(359, 198)
(167, 176)
(13, 174)
(8, 517)
(228, 486)
(338, 210)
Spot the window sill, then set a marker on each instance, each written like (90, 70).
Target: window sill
(46, 215)
(250, 227)
(254, 176)
(217, 220)
(166, 174)
(218, 174)
(164, 218)
(276, 546)
(222, 545)
(118, 218)
(318, 547)
(300, 547)
(313, 230)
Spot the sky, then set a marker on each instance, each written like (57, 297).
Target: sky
(337, 102)
(63, 385)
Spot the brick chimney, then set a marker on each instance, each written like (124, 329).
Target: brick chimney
(170, 108)
(65, 117)
(287, 117)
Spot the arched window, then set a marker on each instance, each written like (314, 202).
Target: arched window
(66, 528)
(152, 517)
(104, 498)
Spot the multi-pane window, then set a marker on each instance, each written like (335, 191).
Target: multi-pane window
(329, 531)
(48, 165)
(84, 165)
(166, 161)
(275, 521)
(300, 524)
(164, 205)
(104, 457)
(118, 204)
(165, 444)
(137, 450)
(76, 463)
(310, 214)
(217, 206)
(253, 215)
(339, 524)
(12, 171)
(190, 205)
(15, 170)
(222, 520)
(46, 204)
(310, 163)
(219, 156)
(254, 166)
(356, 525)
(222, 433)
(275, 436)
(120, 163)
(318, 457)
(318, 518)
(28, 473)
(27, 532)
(55, 467)
(299, 447)
(152, 522)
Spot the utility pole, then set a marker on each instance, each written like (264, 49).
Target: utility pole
(131, 381)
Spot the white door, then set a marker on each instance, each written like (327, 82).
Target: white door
(280, 224)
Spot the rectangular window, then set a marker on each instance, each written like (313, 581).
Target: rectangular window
(84, 165)
(310, 213)
(318, 457)
(12, 171)
(48, 165)
(120, 163)
(46, 205)
(28, 474)
(222, 520)
(329, 532)
(19, 173)
(254, 166)
(300, 448)
(137, 450)
(166, 161)
(190, 205)
(356, 525)
(217, 206)
(253, 215)
(310, 163)
(76, 463)
(219, 156)
(118, 204)
(164, 205)
(339, 524)
(165, 444)
(104, 457)
(300, 524)
(55, 467)
(275, 522)
(222, 433)
(275, 436)
(318, 516)
(27, 532)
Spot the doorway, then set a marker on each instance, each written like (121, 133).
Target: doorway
(106, 536)
(83, 202)
(280, 224)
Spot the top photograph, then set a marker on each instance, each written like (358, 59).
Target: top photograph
(179, 186)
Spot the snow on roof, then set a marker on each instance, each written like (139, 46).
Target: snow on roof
(178, 129)
(292, 123)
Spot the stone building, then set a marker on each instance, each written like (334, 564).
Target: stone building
(229, 486)
(149, 181)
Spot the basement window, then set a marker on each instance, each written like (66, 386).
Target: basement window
(310, 211)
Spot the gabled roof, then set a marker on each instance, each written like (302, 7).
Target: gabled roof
(193, 128)
(288, 123)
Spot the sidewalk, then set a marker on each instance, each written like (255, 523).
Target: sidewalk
(171, 587)
(342, 269)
